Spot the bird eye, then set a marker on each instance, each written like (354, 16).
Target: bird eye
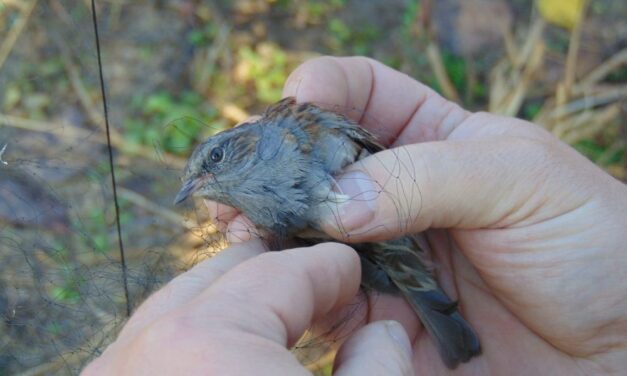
(216, 154)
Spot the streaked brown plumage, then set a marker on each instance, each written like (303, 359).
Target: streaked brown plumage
(279, 171)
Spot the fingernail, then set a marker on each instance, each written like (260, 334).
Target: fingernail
(399, 335)
(360, 194)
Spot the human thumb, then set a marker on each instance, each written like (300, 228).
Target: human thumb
(380, 348)
(462, 184)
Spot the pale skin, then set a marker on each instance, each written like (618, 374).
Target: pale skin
(528, 235)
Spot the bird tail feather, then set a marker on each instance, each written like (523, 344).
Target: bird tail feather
(454, 338)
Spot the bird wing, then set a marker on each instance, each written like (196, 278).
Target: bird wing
(329, 120)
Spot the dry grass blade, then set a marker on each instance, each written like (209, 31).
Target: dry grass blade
(601, 98)
(437, 65)
(206, 63)
(16, 30)
(577, 110)
(618, 60)
(511, 78)
(19, 4)
(64, 131)
(72, 134)
(84, 98)
(141, 201)
(585, 125)
(571, 58)
(563, 91)
(233, 112)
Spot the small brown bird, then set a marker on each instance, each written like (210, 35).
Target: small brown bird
(279, 171)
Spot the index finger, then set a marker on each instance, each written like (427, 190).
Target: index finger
(187, 286)
(394, 106)
(278, 295)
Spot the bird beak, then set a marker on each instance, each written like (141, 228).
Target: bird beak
(189, 187)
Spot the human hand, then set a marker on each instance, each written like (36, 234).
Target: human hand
(239, 312)
(532, 233)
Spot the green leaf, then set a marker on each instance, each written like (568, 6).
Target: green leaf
(456, 69)
(100, 242)
(196, 37)
(589, 148)
(65, 294)
(339, 29)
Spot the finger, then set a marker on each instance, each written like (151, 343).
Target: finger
(190, 284)
(220, 214)
(240, 229)
(394, 106)
(365, 308)
(279, 294)
(380, 348)
(451, 184)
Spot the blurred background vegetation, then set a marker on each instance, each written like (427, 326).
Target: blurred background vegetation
(177, 71)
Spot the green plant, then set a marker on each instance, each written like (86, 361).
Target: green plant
(409, 16)
(202, 36)
(531, 109)
(174, 124)
(267, 68)
(339, 31)
(599, 152)
(357, 40)
(456, 70)
(68, 291)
